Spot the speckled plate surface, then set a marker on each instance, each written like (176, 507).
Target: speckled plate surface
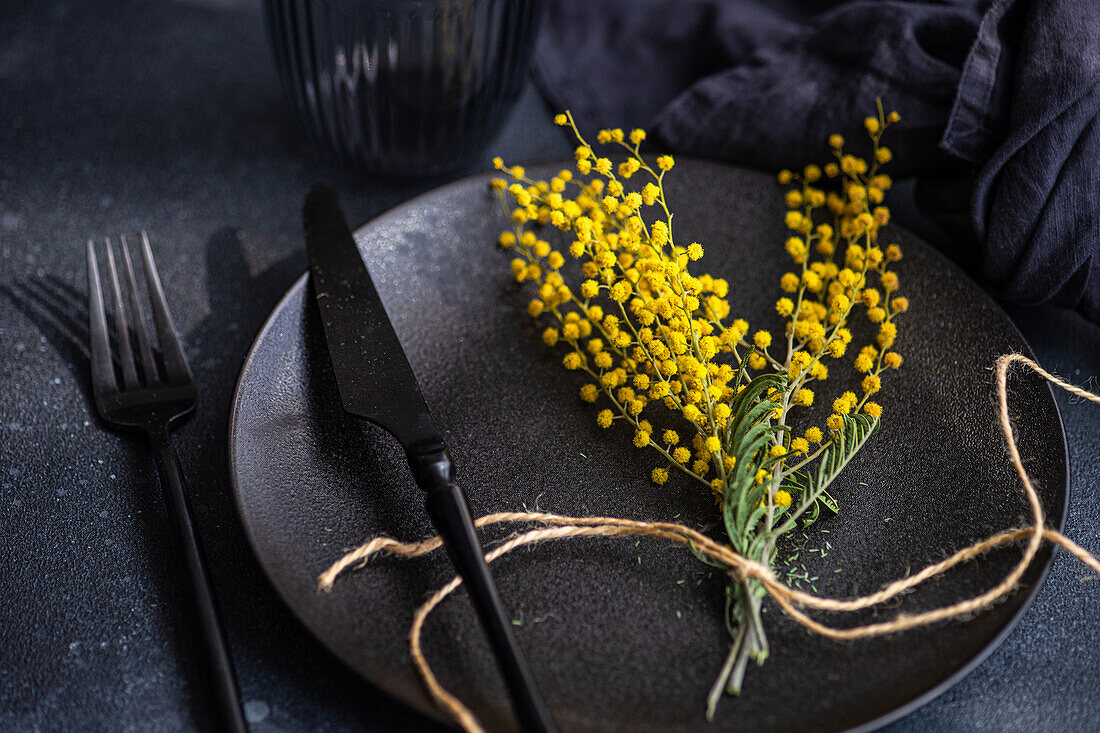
(626, 634)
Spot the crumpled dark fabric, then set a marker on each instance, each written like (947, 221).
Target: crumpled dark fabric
(999, 105)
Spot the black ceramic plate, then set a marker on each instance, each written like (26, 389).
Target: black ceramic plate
(625, 634)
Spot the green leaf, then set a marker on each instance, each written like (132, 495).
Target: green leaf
(846, 443)
(756, 387)
(755, 517)
(749, 436)
(813, 487)
(799, 485)
(703, 557)
(796, 484)
(730, 515)
(745, 471)
(753, 417)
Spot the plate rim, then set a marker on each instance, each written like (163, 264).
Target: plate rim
(432, 712)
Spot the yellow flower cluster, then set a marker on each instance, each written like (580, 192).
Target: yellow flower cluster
(850, 270)
(622, 301)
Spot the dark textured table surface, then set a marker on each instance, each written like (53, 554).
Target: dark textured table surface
(168, 116)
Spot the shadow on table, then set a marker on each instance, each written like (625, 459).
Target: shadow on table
(255, 616)
(61, 314)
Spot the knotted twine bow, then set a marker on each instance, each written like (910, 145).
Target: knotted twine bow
(741, 568)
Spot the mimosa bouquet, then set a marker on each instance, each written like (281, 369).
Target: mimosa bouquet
(662, 354)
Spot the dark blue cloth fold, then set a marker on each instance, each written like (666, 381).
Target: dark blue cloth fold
(999, 103)
(1027, 114)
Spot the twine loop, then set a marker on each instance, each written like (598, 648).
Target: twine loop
(741, 568)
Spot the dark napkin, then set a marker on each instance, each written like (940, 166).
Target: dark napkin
(999, 104)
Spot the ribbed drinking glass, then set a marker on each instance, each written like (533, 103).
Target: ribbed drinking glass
(403, 87)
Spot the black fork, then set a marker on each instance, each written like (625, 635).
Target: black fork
(142, 392)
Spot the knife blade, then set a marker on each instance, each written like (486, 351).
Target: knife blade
(373, 375)
(377, 383)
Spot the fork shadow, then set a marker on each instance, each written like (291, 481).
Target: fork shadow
(61, 314)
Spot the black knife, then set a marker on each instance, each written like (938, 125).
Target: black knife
(377, 384)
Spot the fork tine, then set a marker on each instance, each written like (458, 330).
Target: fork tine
(122, 325)
(148, 363)
(103, 372)
(175, 361)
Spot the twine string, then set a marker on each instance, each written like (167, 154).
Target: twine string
(740, 567)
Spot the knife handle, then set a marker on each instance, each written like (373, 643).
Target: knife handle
(450, 512)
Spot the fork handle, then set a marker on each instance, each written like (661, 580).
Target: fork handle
(222, 680)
